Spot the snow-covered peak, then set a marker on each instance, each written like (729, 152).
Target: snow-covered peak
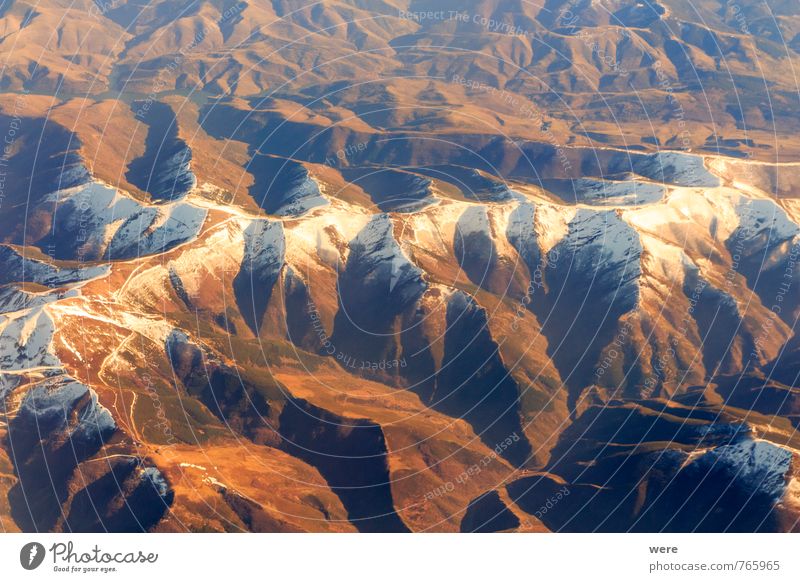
(675, 168)
(97, 221)
(759, 464)
(25, 340)
(605, 231)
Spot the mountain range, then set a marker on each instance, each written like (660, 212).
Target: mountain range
(391, 266)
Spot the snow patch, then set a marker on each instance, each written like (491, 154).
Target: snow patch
(96, 220)
(26, 339)
(758, 463)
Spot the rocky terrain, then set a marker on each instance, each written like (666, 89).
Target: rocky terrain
(277, 267)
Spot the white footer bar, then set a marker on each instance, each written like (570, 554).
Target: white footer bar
(401, 557)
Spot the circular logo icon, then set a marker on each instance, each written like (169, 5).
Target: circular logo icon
(31, 555)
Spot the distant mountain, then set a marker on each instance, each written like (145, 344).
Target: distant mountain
(711, 75)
